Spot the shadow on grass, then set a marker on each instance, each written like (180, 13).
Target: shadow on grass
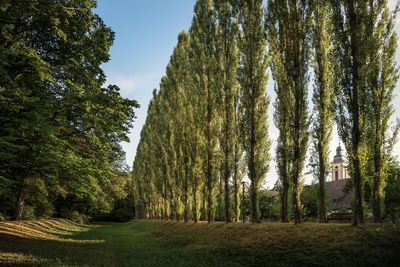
(158, 243)
(47, 241)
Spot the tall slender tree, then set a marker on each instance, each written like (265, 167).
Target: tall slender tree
(283, 157)
(254, 101)
(238, 163)
(323, 96)
(203, 45)
(350, 21)
(289, 23)
(227, 53)
(381, 81)
(282, 106)
(178, 73)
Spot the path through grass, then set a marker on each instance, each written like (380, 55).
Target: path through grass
(156, 243)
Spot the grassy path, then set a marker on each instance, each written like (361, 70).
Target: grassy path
(155, 243)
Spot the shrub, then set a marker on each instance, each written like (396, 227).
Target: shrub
(28, 213)
(76, 217)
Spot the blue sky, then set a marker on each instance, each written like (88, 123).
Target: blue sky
(146, 34)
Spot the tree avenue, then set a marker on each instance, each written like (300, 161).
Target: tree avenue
(210, 129)
(205, 148)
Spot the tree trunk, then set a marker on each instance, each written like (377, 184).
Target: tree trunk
(165, 215)
(236, 182)
(227, 152)
(236, 188)
(227, 193)
(20, 206)
(195, 212)
(204, 204)
(358, 208)
(356, 133)
(220, 196)
(321, 180)
(296, 174)
(254, 215)
(209, 201)
(209, 163)
(296, 202)
(376, 193)
(252, 167)
(376, 196)
(173, 214)
(284, 204)
(186, 195)
(186, 213)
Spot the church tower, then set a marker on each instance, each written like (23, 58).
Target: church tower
(339, 166)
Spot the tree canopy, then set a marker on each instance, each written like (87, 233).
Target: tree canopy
(61, 126)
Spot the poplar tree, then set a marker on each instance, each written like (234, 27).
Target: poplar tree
(227, 53)
(178, 74)
(323, 96)
(195, 122)
(283, 157)
(289, 23)
(238, 162)
(253, 99)
(159, 153)
(203, 45)
(381, 81)
(281, 105)
(351, 49)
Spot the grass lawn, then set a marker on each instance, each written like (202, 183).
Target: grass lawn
(156, 243)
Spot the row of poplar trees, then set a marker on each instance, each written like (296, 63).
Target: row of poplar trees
(207, 125)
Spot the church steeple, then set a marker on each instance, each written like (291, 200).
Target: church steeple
(338, 157)
(339, 165)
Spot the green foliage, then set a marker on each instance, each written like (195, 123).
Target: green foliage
(323, 96)
(227, 33)
(254, 102)
(310, 202)
(60, 126)
(269, 205)
(190, 154)
(365, 46)
(28, 213)
(207, 125)
(289, 24)
(381, 82)
(203, 51)
(392, 193)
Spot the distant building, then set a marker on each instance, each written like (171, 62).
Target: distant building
(339, 200)
(339, 166)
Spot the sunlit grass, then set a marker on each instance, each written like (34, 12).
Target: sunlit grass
(43, 229)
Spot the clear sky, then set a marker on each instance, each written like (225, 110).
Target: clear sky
(146, 33)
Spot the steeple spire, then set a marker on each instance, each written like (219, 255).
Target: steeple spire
(338, 157)
(339, 165)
